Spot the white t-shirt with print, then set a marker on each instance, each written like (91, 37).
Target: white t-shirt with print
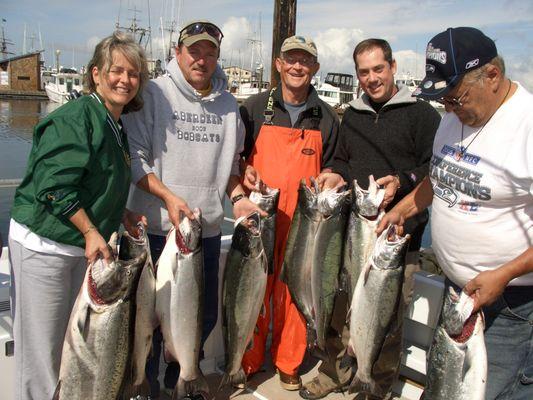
(482, 211)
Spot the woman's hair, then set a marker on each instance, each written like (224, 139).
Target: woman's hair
(103, 59)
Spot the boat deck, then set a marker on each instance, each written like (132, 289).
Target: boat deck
(265, 386)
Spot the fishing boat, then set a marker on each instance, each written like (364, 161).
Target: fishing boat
(412, 83)
(61, 84)
(337, 90)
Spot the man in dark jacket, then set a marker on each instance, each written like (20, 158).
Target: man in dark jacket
(386, 133)
(290, 135)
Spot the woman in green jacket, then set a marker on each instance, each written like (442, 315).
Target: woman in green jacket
(71, 199)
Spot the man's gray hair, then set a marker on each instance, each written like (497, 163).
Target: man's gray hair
(481, 72)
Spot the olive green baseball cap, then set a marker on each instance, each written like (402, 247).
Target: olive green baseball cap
(299, 43)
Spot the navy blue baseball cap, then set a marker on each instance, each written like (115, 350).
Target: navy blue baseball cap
(450, 55)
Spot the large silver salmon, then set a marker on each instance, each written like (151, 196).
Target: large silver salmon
(374, 306)
(313, 256)
(179, 302)
(267, 200)
(244, 284)
(99, 337)
(457, 361)
(145, 317)
(361, 232)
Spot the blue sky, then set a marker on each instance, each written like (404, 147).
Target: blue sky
(75, 26)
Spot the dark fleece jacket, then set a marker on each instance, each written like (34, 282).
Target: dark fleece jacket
(396, 140)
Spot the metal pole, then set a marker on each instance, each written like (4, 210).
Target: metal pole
(284, 26)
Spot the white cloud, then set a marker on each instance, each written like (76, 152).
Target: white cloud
(241, 45)
(335, 47)
(521, 70)
(410, 63)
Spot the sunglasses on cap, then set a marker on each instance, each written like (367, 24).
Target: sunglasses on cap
(201, 27)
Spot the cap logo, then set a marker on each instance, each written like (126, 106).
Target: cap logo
(430, 68)
(435, 54)
(428, 84)
(472, 64)
(440, 85)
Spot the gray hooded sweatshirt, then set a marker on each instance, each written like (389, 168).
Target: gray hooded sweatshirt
(191, 143)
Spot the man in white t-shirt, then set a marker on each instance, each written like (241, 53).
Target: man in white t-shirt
(480, 187)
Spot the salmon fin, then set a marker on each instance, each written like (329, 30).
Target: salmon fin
(371, 387)
(312, 339)
(366, 271)
(347, 361)
(237, 380)
(319, 353)
(57, 392)
(82, 320)
(188, 388)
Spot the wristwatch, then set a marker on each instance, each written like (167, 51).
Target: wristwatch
(237, 197)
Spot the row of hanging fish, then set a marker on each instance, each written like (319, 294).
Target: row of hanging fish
(331, 246)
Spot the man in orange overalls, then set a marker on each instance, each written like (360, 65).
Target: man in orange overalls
(290, 134)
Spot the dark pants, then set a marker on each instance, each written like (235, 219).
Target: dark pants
(211, 250)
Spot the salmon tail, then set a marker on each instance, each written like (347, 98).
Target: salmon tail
(188, 388)
(312, 339)
(370, 387)
(237, 380)
(347, 361)
(320, 354)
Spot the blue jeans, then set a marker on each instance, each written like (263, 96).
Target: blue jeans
(509, 341)
(211, 249)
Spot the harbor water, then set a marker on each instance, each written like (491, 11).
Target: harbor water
(17, 119)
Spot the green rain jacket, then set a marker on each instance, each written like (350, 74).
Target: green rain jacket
(79, 159)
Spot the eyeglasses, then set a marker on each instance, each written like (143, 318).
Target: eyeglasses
(454, 101)
(201, 27)
(305, 61)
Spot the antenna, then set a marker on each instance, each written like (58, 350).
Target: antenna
(24, 40)
(40, 38)
(117, 24)
(150, 30)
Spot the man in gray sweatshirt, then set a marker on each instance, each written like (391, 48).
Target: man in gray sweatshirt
(185, 145)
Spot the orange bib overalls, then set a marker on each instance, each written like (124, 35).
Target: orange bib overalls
(282, 156)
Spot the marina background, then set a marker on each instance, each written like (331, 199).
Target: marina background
(75, 26)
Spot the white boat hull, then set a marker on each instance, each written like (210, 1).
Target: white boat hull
(54, 95)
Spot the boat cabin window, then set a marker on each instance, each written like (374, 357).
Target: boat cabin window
(61, 81)
(77, 81)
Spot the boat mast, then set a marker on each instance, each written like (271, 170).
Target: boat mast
(4, 42)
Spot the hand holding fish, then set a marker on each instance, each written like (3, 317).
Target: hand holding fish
(251, 178)
(245, 207)
(329, 180)
(131, 219)
(486, 287)
(176, 205)
(393, 217)
(391, 184)
(96, 246)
